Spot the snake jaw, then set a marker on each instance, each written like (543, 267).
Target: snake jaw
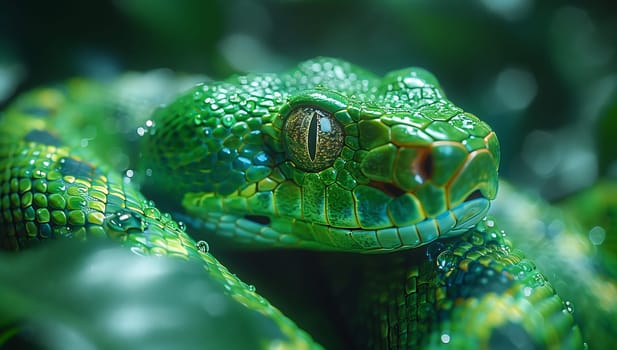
(289, 232)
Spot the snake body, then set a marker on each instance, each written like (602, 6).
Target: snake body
(326, 157)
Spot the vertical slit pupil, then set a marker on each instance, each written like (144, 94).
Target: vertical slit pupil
(312, 136)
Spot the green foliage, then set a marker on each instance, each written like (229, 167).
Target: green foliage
(73, 295)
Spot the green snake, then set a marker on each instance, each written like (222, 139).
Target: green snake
(324, 157)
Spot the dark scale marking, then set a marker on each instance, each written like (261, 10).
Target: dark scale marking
(475, 194)
(426, 166)
(77, 168)
(388, 188)
(511, 336)
(477, 281)
(44, 137)
(260, 219)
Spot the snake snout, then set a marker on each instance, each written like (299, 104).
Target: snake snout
(431, 179)
(477, 177)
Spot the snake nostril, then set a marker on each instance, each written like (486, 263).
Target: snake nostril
(425, 168)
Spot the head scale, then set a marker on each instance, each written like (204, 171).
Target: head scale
(330, 157)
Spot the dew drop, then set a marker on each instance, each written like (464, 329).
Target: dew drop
(445, 338)
(476, 239)
(203, 246)
(446, 260)
(166, 218)
(126, 220)
(527, 265)
(197, 95)
(568, 306)
(597, 235)
(197, 119)
(252, 288)
(250, 106)
(538, 280)
(234, 98)
(228, 120)
(152, 213)
(505, 249)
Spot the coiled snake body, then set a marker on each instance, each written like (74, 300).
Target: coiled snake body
(325, 157)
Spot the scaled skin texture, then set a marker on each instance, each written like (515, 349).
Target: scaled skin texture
(326, 157)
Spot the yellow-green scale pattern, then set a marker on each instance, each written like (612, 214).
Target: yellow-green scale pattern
(50, 192)
(476, 292)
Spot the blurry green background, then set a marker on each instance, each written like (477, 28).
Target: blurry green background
(542, 73)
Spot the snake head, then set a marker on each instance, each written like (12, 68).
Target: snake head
(328, 156)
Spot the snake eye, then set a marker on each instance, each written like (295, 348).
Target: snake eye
(313, 138)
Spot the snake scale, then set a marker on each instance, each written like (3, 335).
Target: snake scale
(325, 157)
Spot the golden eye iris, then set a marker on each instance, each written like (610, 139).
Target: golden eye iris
(313, 138)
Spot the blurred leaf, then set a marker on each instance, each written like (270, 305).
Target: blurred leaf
(84, 296)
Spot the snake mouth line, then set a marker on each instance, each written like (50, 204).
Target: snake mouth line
(259, 219)
(388, 188)
(265, 220)
(261, 229)
(412, 226)
(395, 191)
(474, 195)
(453, 222)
